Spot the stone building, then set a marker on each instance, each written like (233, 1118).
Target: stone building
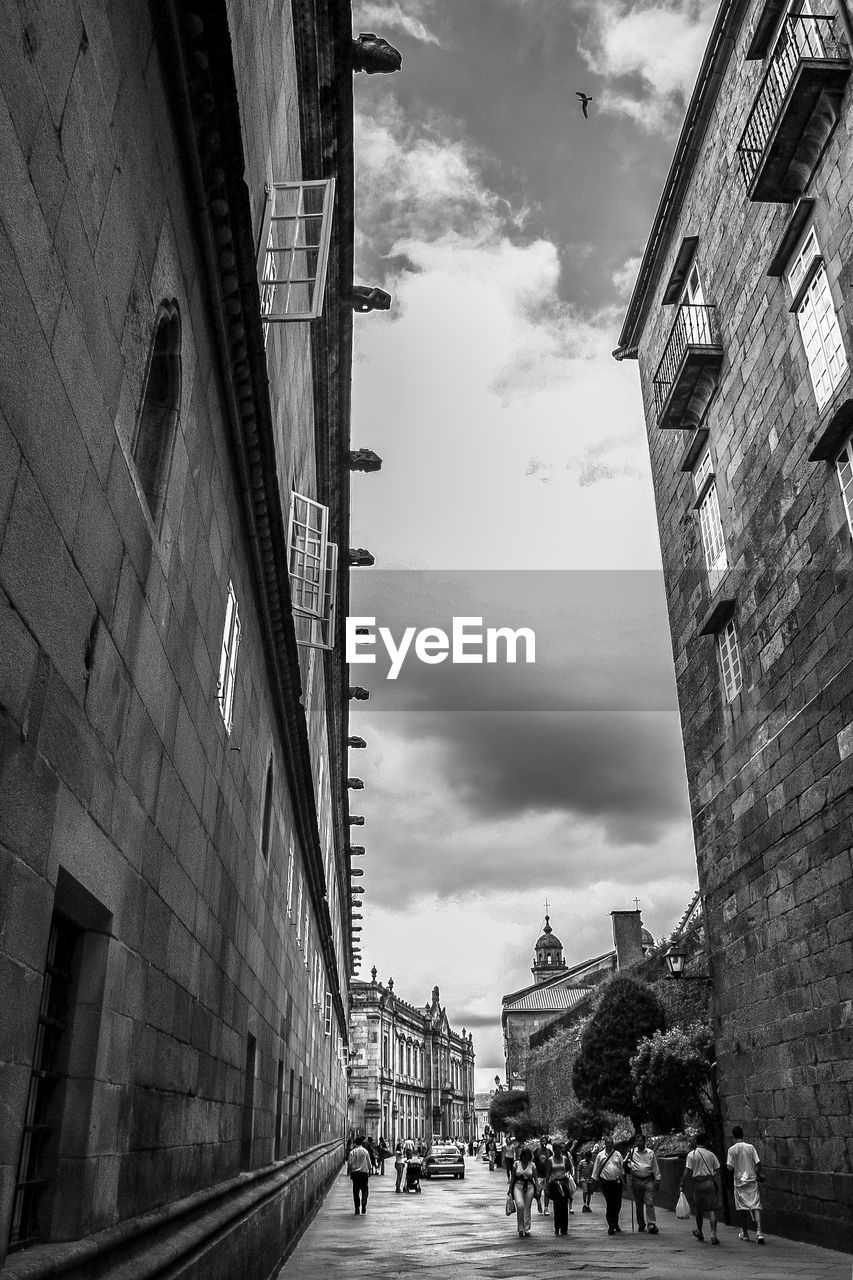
(741, 320)
(410, 1076)
(175, 925)
(557, 987)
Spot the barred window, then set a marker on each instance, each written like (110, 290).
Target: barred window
(728, 654)
(293, 254)
(844, 467)
(228, 659)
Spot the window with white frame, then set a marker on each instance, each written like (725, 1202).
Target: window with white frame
(821, 333)
(228, 659)
(291, 858)
(299, 900)
(313, 571)
(327, 1017)
(728, 655)
(305, 929)
(293, 252)
(844, 468)
(710, 521)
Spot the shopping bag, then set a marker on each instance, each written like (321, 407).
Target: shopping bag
(682, 1209)
(510, 1205)
(571, 1185)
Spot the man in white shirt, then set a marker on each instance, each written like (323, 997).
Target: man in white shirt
(642, 1164)
(359, 1166)
(745, 1164)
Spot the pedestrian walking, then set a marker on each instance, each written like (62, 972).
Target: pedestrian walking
(358, 1167)
(745, 1164)
(608, 1177)
(371, 1151)
(541, 1156)
(383, 1151)
(701, 1172)
(522, 1188)
(399, 1164)
(509, 1156)
(584, 1179)
(558, 1173)
(642, 1164)
(492, 1149)
(408, 1148)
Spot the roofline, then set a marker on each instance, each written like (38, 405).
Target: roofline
(720, 44)
(561, 975)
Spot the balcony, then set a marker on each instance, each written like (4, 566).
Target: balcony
(796, 109)
(689, 368)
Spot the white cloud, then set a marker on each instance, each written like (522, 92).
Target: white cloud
(379, 14)
(653, 48)
(479, 365)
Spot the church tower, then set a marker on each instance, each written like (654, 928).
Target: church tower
(548, 959)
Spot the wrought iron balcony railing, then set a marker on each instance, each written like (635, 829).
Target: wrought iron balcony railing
(778, 150)
(693, 349)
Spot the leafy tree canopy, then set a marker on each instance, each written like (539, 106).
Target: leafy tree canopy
(628, 1011)
(671, 1075)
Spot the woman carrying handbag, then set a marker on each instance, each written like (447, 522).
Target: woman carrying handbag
(522, 1188)
(561, 1187)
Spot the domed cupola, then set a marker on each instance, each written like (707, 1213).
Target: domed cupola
(548, 958)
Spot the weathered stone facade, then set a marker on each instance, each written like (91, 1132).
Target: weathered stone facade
(770, 771)
(410, 1075)
(191, 882)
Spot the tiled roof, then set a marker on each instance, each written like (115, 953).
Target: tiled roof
(574, 972)
(548, 999)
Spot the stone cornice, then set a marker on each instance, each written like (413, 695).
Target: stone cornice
(195, 47)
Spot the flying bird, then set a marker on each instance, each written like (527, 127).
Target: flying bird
(585, 101)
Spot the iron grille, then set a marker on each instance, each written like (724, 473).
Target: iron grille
(695, 327)
(804, 37)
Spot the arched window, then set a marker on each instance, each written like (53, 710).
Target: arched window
(158, 418)
(267, 823)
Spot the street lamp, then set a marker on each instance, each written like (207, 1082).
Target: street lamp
(676, 958)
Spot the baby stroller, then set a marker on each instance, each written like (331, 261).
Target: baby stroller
(413, 1174)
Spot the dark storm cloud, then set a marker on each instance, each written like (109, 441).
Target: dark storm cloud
(601, 640)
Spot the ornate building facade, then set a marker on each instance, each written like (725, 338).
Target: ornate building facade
(742, 322)
(410, 1075)
(175, 921)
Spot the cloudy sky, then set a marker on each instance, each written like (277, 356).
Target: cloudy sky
(515, 488)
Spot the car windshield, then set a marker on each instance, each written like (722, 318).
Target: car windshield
(444, 1151)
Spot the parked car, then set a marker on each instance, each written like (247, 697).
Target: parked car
(444, 1157)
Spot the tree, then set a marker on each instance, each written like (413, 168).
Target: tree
(509, 1112)
(601, 1077)
(671, 1074)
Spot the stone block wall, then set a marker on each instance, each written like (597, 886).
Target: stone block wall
(770, 775)
(124, 803)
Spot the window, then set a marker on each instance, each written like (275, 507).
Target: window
(728, 654)
(312, 567)
(290, 861)
(279, 1111)
(710, 521)
(248, 1117)
(294, 249)
(155, 431)
(38, 1156)
(693, 291)
(818, 322)
(299, 900)
(267, 822)
(327, 1020)
(401, 1057)
(228, 659)
(385, 1051)
(844, 467)
(305, 925)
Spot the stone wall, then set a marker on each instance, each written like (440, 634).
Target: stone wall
(124, 803)
(770, 775)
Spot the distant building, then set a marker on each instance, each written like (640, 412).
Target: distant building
(410, 1075)
(176, 229)
(742, 322)
(558, 987)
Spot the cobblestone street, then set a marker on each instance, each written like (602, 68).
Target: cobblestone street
(460, 1230)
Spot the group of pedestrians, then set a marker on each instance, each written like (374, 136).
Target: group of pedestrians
(551, 1175)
